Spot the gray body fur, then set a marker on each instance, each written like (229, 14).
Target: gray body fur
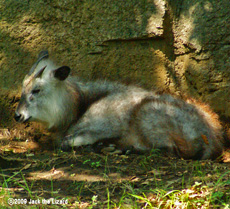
(82, 113)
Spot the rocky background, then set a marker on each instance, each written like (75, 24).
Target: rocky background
(176, 45)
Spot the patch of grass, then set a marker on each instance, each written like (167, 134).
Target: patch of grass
(219, 196)
(198, 169)
(90, 180)
(93, 164)
(197, 196)
(194, 197)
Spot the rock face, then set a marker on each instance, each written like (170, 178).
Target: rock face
(174, 44)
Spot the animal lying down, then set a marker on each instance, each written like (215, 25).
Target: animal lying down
(82, 113)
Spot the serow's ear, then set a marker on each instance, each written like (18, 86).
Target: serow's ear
(61, 73)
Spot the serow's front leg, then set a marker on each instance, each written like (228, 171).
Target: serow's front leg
(75, 140)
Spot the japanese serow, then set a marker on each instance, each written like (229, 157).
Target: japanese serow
(82, 113)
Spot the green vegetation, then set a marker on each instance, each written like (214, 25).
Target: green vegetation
(88, 180)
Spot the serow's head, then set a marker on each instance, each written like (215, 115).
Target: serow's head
(41, 92)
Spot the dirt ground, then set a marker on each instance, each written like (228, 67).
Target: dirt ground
(32, 169)
(83, 174)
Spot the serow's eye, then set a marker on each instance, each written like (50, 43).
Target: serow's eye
(35, 91)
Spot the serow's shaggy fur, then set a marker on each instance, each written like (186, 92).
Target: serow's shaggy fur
(82, 113)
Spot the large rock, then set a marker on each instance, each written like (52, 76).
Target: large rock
(176, 45)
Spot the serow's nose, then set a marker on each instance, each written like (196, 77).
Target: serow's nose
(17, 116)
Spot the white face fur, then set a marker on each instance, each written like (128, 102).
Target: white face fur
(43, 94)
